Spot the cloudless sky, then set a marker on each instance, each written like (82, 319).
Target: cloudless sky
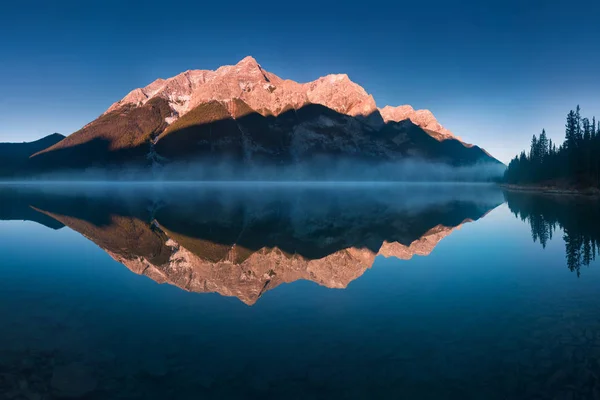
(493, 72)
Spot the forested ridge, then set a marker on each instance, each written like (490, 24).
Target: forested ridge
(574, 163)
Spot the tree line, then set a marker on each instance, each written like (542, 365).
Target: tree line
(575, 162)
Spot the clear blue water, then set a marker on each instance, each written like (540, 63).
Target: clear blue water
(263, 291)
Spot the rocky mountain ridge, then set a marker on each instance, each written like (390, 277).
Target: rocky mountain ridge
(271, 95)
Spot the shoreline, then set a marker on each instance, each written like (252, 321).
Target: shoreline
(554, 190)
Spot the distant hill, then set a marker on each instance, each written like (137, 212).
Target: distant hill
(14, 157)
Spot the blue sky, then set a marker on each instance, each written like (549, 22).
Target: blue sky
(493, 72)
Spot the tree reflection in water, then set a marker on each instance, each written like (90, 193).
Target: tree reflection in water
(576, 216)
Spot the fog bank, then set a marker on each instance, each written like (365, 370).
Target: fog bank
(321, 169)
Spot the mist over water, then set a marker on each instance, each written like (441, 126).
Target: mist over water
(319, 169)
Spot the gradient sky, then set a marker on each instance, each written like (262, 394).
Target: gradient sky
(493, 72)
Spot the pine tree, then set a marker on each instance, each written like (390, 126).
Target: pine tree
(571, 131)
(578, 130)
(543, 145)
(533, 152)
(586, 130)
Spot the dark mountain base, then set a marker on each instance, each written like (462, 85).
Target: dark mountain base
(217, 141)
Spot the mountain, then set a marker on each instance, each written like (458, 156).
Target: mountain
(14, 157)
(244, 114)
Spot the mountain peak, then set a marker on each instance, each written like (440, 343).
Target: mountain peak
(248, 60)
(338, 92)
(337, 77)
(423, 118)
(55, 135)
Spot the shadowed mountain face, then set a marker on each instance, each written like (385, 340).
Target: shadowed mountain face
(234, 134)
(302, 135)
(244, 242)
(245, 116)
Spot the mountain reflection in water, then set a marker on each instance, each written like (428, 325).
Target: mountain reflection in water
(244, 241)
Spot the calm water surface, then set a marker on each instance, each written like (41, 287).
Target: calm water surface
(275, 291)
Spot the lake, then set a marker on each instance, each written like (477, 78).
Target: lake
(297, 291)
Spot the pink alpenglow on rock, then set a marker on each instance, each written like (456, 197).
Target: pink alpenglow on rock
(422, 118)
(269, 94)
